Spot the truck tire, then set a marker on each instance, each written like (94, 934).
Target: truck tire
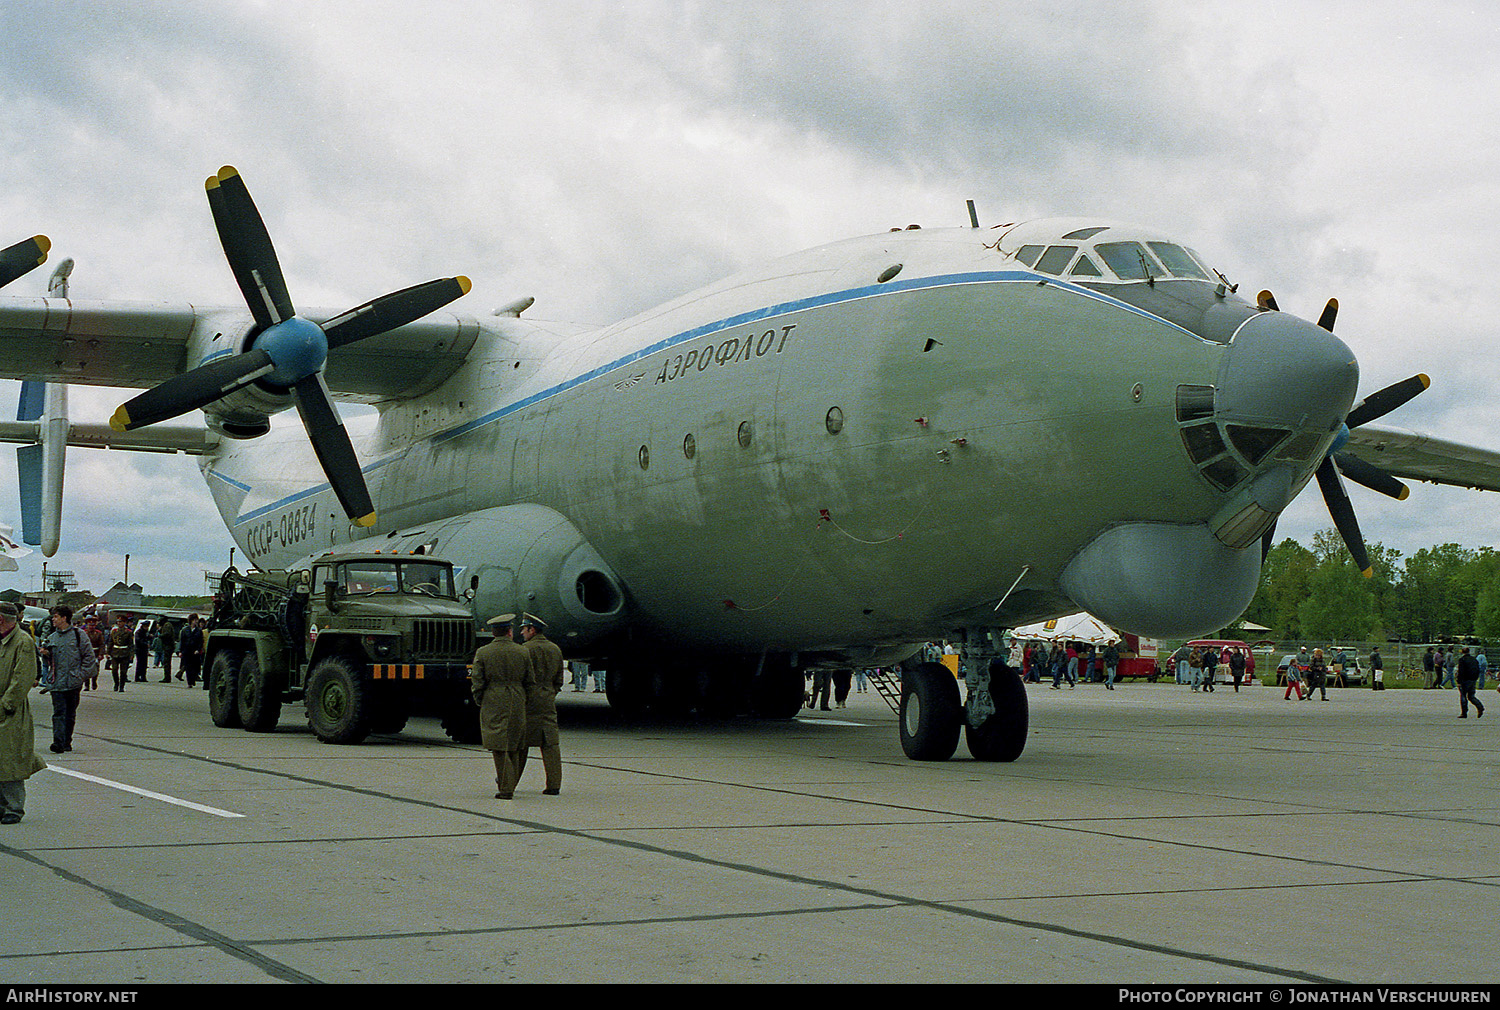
(460, 720)
(258, 697)
(338, 701)
(223, 683)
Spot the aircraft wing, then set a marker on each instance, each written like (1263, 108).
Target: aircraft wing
(1418, 456)
(139, 345)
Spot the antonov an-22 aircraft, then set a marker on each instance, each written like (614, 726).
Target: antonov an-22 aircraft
(822, 462)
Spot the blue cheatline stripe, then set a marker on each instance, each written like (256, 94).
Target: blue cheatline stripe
(731, 322)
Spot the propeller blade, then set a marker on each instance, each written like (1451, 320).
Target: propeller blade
(191, 390)
(23, 257)
(247, 246)
(395, 309)
(1383, 401)
(335, 452)
(1266, 300)
(1342, 512)
(1330, 313)
(1266, 540)
(1370, 475)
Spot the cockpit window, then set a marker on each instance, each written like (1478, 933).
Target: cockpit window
(1029, 254)
(1177, 261)
(1056, 259)
(1085, 268)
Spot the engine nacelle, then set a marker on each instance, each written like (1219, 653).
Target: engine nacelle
(245, 413)
(527, 559)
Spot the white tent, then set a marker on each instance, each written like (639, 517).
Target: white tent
(1074, 628)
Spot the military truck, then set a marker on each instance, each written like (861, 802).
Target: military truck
(364, 639)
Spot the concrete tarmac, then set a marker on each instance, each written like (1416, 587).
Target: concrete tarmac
(1148, 834)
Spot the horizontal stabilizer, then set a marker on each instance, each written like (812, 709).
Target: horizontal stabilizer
(193, 440)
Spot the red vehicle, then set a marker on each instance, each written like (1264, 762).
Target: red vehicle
(1139, 657)
(1217, 646)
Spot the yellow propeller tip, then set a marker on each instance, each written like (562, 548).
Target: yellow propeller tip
(43, 246)
(1368, 572)
(212, 183)
(464, 283)
(227, 172)
(1405, 493)
(1426, 381)
(121, 419)
(366, 520)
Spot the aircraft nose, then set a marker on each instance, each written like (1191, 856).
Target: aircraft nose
(1286, 373)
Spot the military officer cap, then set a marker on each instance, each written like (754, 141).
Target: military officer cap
(500, 619)
(532, 621)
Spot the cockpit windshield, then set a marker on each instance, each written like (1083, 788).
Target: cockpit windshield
(374, 577)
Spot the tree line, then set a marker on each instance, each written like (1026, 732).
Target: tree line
(1439, 592)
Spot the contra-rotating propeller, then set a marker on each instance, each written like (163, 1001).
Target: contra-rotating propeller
(23, 257)
(288, 351)
(1337, 464)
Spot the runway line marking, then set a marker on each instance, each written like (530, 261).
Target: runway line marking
(144, 792)
(828, 722)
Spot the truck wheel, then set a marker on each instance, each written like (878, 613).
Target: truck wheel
(461, 720)
(223, 679)
(931, 713)
(258, 700)
(338, 702)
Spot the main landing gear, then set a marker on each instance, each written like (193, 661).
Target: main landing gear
(993, 717)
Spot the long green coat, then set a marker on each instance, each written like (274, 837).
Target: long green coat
(18, 757)
(501, 674)
(541, 694)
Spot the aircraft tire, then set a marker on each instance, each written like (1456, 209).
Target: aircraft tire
(338, 702)
(223, 680)
(931, 713)
(628, 689)
(1001, 737)
(778, 692)
(257, 698)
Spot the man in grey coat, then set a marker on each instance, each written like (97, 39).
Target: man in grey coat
(73, 661)
(499, 679)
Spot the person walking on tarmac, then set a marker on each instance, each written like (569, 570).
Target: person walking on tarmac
(541, 702)
(121, 644)
(1468, 676)
(18, 757)
(168, 646)
(498, 680)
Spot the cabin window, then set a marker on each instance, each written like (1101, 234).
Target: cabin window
(744, 435)
(1194, 403)
(643, 457)
(1203, 442)
(689, 446)
(1056, 259)
(834, 421)
(1085, 268)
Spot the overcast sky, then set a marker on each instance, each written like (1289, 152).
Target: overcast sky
(606, 156)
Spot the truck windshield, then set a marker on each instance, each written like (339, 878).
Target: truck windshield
(370, 577)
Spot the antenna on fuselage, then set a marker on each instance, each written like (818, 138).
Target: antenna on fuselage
(973, 216)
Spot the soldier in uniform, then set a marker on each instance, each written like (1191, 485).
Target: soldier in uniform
(18, 758)
(499, 679)
(121, 642)
(541, 701)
